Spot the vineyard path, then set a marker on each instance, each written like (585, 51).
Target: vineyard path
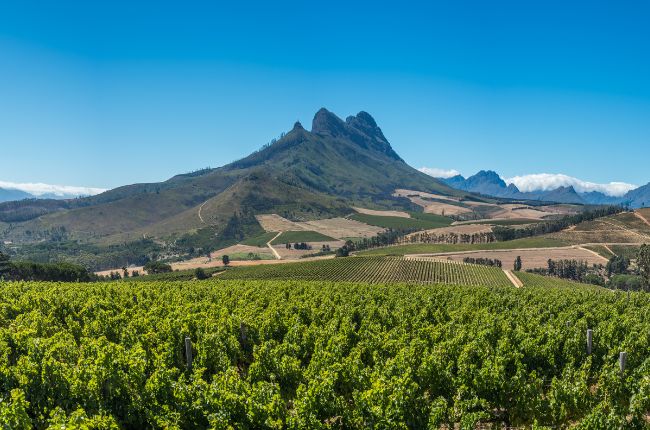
(515, 281)
(277, 256)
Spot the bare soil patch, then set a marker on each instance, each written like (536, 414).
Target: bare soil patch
(274, 222)
(398, 214)
(341, 228)
(458, 229)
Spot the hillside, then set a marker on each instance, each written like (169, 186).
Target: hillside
(7, 195)
(303, 175)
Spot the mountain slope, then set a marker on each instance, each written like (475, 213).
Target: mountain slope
(7, 195)
(306, 174)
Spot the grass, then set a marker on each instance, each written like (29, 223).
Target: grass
(629, 251)
(260, 240)
(425, 222)
(301, 236)
(432, 248)
(600, 250)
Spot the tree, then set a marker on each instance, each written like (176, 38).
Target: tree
(125, 272)
(643, 262)
(226, 260)
(200, 274)
(4, 264)
(157, 267)
(618, 264)
(517, 264)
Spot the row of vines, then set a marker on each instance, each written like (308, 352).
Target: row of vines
(309, 355)
(376, 270)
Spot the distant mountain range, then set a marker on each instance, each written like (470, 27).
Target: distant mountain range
(489, 183)
(11, 194)
(7, 195)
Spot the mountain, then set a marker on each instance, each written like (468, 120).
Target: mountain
(7, 195)
(638, 198)
(598, 198)
(304, 175)
(558, 195)
(489, 183)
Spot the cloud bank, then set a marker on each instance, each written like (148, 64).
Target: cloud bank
(39, 189)
(551, 181)
(439, 173)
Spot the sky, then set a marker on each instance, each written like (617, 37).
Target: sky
(102, 94)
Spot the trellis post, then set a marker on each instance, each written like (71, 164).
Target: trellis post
(590, 337)
(622, 358)
(188, 353)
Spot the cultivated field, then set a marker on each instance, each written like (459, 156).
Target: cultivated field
(531, 258)
(376, 270)
(383, 213)
(338, 228)
(303, 355)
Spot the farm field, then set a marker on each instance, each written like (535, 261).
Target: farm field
(621, 228)
(332, 227)
(300, 236)
(532, 280)
(376, 270)
(296, 354)
(260, 240)
(400, 214)
(426, 248)
(532, 259)
(401, 222)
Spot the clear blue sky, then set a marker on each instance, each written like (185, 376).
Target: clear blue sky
(105, 93)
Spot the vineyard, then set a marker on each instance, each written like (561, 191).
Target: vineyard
(533, 280)
(375, 270)
(308, 355)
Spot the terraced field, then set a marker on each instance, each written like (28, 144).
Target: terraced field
(376, 270)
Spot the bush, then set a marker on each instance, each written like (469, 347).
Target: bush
(153, 267)
(200, 273)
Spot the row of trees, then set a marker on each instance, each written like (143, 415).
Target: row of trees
(452, 238)
(30, 271)
(483, 261)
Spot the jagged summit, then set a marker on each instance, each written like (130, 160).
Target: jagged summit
(297, 125)
(325, 123)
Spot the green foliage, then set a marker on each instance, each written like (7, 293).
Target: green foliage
(154, 267)
(376, 270)
(200, 273)
(617, 265)
(287, 354)
(626, 282)
(301, 236)
(418, 222)
(643, 261)
(30, 271)
(517, 264)
(260, 240)
(225, 260)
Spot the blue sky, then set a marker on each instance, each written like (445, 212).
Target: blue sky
(102, 94)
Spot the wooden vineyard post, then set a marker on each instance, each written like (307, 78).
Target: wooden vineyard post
(188, 353)
(622, 358)
(590, 337)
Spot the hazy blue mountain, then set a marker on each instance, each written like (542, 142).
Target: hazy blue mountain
(489, 183)
(639, 197)
(7, 195)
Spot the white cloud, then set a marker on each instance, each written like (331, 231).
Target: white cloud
(39, 189)
(439, 173)
(550, 181)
